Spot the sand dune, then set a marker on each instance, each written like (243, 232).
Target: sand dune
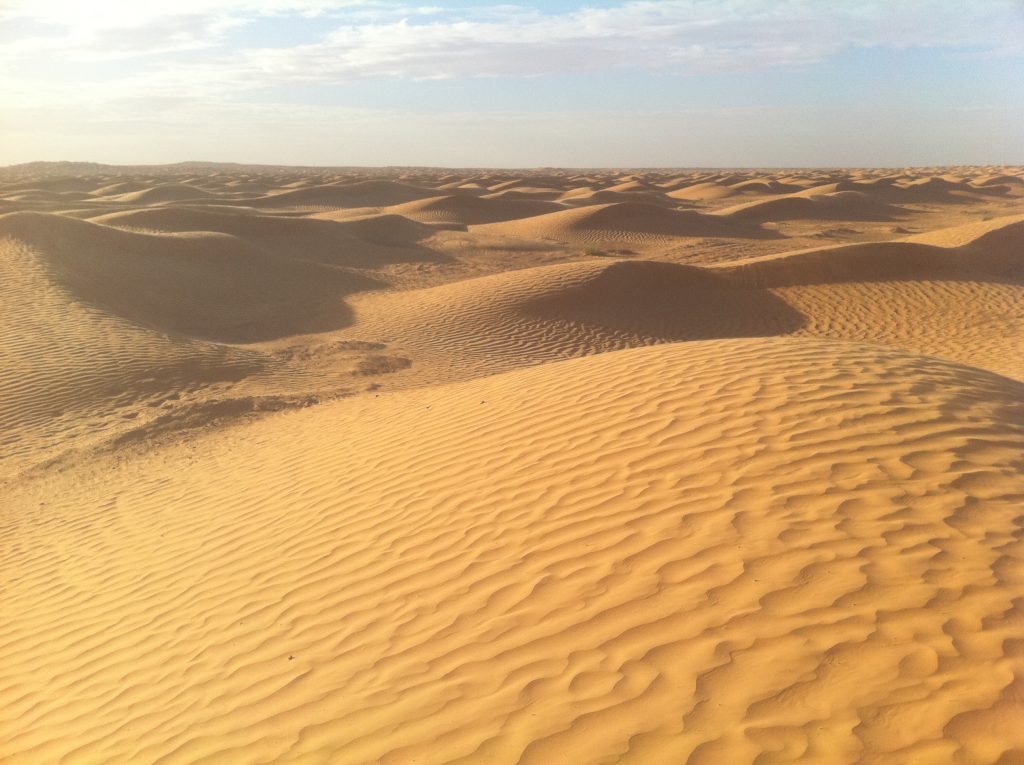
(524, 193)
(166, 192)
(45, 195)
(999, 180)
(869, 187)
(511, 466)
(59, 184)
(360, 194)
(481, 326)
(116, 189)
(705, 191)
(528, 185)
(929, 190)
(838, 205)
(722, 187)
(632, 222)
(691, 553)
(989, 250)
(764, 186)
(205, 286)
(364, 243)
(607, 196)
(632, 185)
(956, 293)
(468, 210)
(388, 230)
(927, 297)
(71, 364)
(1003, 235)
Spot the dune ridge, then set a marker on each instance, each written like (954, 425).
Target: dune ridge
(202, 285)
(929, 298)
(635, 222)
(470, 210)
(479, 326)
(165, 192)
(72, 363)
(367, 242)
(838, 205)
(368, 193)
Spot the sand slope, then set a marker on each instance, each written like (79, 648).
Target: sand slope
(581, 197)
(363, 243)
(634, 222)
(956, 293)
(165, 192)
(702, 553)
(485, 325)
(990, 250)
(359, 194)
(708, 191)
(964, 302)
(71, 366)
(467, 210)
(839, 205)
(204, 285)
(313, 465)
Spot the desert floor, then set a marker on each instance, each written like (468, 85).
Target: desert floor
(511, 467)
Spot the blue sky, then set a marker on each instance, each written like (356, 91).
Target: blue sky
(558, 83)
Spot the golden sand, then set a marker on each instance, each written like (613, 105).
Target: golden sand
(494, 468)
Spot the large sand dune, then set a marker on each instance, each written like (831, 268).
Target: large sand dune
(70, 362)
(467, 210)
(838, 205)
(359, 194)
(165, 192)
(518, 318)
(989, 250)
(325, 465)
(939, 298)
(204, 285)
(365, 242)
(634, 222)
(686, 553)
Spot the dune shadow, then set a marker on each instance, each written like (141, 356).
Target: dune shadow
(885, 262)
(205, 286)
(671, 302)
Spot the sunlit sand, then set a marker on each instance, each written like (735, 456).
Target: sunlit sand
(512, 467)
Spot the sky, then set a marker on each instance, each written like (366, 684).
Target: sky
(560, 83)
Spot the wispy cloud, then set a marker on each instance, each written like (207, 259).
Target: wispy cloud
(376, 38)
(667, 35)
(130, 29)
(78, 61)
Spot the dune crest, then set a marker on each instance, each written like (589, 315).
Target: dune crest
(203, 285)
(635, 222)
(837, 205)
(469, 210)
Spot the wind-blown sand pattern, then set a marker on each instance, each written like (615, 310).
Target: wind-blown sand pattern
(482, 467)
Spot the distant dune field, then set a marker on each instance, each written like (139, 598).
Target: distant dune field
(512, 467)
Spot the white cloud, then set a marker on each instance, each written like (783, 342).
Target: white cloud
(57, 68)
(138, 12)
(668, 35)
(370, 38)
(108, 29)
